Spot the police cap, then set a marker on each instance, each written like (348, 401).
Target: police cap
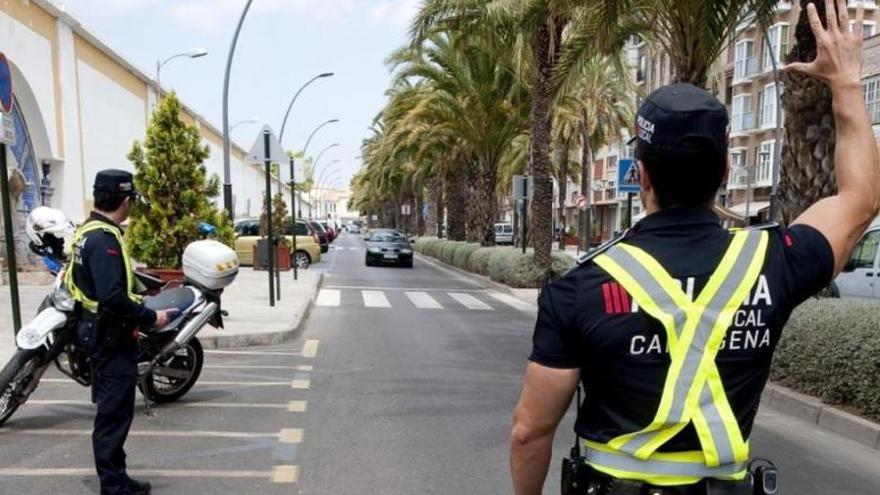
(682, 118)
(113, 182)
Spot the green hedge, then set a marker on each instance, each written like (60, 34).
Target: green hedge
(507, 265)
(831, 349)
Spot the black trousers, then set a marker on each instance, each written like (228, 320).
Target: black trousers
(114, 379)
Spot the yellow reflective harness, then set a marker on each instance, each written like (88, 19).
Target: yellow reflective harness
(693, 391)
(77, 293)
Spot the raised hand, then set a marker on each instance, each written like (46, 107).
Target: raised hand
(839, 50)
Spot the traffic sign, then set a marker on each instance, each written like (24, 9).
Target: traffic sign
(5, 85)
(581, 202)
(522, 187)
(405, 209)
(628, 177)
(257, 154)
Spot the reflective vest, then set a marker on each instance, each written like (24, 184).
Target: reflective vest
(78, 295)
(693, 392)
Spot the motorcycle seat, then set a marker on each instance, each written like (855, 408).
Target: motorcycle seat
(179, 298)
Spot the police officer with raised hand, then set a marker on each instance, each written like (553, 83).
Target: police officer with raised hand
(672, 329)
(101, 280)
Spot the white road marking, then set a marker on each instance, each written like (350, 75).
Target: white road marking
(413, 289)
(512, 301)
(253, 353)
(469, 301)
(305, 367)
(422, 300)
(249, 367)
(375, 299)
(232, 405)
(145, 433)
(301, 384)
(243, 384)
(161, 473)
(328, 297)
(310, 349)
(291, 435)
(297, 406)
(285, 474)
(353, 248)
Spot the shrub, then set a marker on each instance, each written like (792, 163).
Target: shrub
(447, 251)
(831, 349)
(462, 255)
(432, 247)
(421, 242)
(479, 260)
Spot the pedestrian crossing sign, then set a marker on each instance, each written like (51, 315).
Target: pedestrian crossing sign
(628, 177)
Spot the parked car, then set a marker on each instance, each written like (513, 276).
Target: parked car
(323, 238)
(386, 247)
(860, 277)
(247, 233)
(331, 231)
(354, 229)
(503, 233)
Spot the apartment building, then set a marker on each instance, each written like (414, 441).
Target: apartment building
(752, 101)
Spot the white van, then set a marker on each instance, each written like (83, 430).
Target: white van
(861, 274)
(503, 233)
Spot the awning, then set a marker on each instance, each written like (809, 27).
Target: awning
(755, 207)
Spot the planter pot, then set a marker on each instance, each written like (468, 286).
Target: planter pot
(261, 256)
(571, 240)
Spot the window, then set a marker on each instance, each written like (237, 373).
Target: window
(866, 251)
(643, 66)
(868, 28)
(745, 64)
(775, 45)
(768, 110)
(611, 171)
(743, 117)
(871, 91)
(764, 160)
(738, 166)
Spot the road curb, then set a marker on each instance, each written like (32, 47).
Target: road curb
(475, 277)
(267, 338)
(826, 417)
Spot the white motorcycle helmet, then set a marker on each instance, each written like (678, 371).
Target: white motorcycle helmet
(48, 230)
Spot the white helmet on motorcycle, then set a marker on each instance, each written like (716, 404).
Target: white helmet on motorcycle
(48, 230)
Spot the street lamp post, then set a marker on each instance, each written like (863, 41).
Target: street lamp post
(252, 120)
(334, 181)
(309, 140)
(321, 176)
(227, 174)
(293, 100)
(196, 53)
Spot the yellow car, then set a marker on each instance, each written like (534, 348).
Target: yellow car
(247, 233)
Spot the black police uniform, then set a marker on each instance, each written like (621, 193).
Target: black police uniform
(587, 320)
(99, 272)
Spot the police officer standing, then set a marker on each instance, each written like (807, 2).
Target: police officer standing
(101, 280)
(672, 329)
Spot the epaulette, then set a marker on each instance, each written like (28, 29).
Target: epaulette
(590, 255)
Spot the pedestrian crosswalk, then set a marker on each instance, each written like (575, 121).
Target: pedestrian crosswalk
(423, 299)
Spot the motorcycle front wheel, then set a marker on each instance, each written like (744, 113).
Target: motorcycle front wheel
(15, 378)
(173, 380)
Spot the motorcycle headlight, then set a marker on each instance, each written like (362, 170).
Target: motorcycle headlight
(62, 300)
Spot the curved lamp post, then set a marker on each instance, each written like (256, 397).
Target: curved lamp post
(318, 159)
(335, 181)
(309, 140)
(293, 100)
(253, 120)
(195, 53)
(227, 175)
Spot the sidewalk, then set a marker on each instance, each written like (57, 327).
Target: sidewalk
(250, 322)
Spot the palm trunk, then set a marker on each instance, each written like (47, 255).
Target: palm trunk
(456, 190)
(435, 208)
(540, 225)
(562, 179)
(487, 201)
(585, 231)
(807, 172)
(475, 205)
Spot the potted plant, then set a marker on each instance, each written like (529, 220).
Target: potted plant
(281, 244)
(170, 173)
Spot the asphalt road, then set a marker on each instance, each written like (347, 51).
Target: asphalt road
(403, 382)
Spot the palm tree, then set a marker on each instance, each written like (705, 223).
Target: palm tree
(807, 161)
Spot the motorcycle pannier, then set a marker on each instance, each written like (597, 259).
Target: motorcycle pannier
(210, 264)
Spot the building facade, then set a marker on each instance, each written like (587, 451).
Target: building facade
(78, 107)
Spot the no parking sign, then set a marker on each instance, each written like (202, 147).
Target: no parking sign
(5, 85)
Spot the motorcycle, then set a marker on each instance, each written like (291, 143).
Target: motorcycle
(170, 358)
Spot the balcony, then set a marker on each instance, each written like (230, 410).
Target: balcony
(783, 7)
(744, 70)
(869, 4)
(742, 123)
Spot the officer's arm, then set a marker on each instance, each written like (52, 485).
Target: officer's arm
(546, 396)
(843, 218)
(111, 281)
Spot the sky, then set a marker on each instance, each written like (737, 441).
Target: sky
(283, 43)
